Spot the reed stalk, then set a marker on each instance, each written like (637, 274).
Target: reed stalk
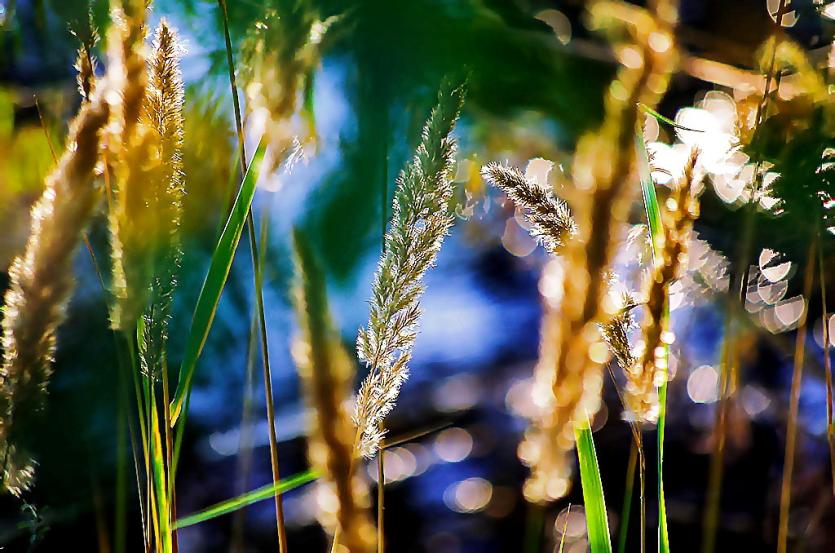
(327, 374)
(794, 402)
(603, 164)
(259, 299)
(647, 374)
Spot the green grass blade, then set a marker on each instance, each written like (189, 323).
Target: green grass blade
(656, 230)
(597, 522)
(204, 312)
(648, 110)
(259, 494)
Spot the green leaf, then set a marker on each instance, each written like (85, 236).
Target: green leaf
(595, 504)
(656, 230)
(260, 494)
(204, 312)
(659, 117)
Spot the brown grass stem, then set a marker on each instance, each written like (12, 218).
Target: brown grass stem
(794, 403)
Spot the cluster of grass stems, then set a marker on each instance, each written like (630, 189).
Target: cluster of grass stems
(124, 151)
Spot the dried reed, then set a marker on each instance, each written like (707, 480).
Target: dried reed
(677, 216)
(549, 216)
(41, 284)
(602, 169)
(421, 219)
(328, 374)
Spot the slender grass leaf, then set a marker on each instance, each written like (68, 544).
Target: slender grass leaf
(158, 474)
(627, 498)
(648, 110)
(597, 522)
(241, 501)
(565, 528)
(221, 263)
(656, 230)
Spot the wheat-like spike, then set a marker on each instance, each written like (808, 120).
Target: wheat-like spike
(421, 219)
(550, 218)
(602, 170)
(163, 115)
(677, 216)
(85, 64)
(615, 332)
(41, 283)
(327, 373)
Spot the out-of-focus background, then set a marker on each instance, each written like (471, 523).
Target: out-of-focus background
(536, 78)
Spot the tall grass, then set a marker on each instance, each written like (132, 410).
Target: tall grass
(127, 140)
(41, 284)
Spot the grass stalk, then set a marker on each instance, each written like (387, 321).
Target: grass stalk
(259, 299)
(629, 487)
(715, 471)
(827, 364)
(381, 485)
(730, 368)
(794, 404)
(381, 473)
(653, 212)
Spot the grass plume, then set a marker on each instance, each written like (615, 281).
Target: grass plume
(421, 219)
(550, 218)
(41, 283)
(615, 332)
(131, 158)
(163, 116)
(603, 168)
(328, 374)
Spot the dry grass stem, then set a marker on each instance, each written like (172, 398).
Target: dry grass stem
(603, 170)
(327, 373)
(677, 216)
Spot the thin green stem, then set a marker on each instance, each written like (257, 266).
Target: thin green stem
(628, 489)
(259, 299)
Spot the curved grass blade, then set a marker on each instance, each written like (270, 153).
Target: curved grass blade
(264, 492)
(649, 111)
(595, 504)
(204, 311)
(656, 232)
